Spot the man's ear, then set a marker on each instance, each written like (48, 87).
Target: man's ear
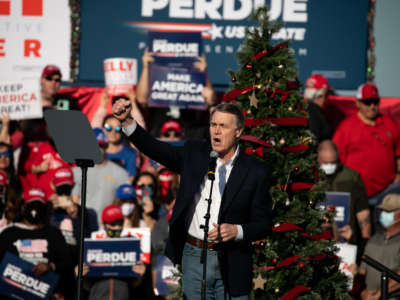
(239, 132)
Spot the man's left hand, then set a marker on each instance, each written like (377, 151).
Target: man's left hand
(222, 232)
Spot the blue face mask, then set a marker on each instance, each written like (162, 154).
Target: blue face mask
(386, 218)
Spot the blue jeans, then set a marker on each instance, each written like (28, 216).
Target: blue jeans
(192, 276)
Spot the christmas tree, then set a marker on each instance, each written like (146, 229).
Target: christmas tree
(297, 260)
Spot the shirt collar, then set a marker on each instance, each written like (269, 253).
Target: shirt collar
(230, 161)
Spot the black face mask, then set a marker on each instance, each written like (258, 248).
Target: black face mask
(35, 212)
(113, 233)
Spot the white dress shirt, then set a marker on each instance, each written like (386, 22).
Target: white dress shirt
(203, 194)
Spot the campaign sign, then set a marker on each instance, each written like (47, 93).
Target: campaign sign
(347, 254)
(176, 87)
(120, 75)
(165, 279)
(144, 235)
(111, 257)
(175, 49)
(18, 281)
(341, 202)
(21, 99)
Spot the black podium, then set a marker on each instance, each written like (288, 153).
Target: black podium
(76, 143)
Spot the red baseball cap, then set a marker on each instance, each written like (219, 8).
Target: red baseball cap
(317, 81)
(3, 178)
(171, 125)
(367, 91)
(111, 214)
(63, 176)
(34, 194)
(51, 70)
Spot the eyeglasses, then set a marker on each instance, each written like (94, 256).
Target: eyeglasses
(5, 154)
(50, 78)
(171, 133)
(368, 102)
(110, 128)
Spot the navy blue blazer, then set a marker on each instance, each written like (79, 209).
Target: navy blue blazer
(246, 201)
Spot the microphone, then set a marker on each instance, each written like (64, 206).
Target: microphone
(212, 164)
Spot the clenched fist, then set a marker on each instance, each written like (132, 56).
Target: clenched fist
(122, 111)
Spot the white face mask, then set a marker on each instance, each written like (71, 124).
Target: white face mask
(329, 169)
(127, 209)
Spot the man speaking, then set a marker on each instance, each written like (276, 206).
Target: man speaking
(240, 209)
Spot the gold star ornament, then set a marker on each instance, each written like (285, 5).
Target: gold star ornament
(253, 100)
(259, 282)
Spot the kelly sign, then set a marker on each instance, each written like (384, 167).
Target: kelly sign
(120, 74)
(18, 281)
(21, 99)
(176, 87)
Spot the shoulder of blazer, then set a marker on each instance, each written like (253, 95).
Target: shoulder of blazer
(253, 161)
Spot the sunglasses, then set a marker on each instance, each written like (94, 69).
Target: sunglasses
(142, 186)
(50, 78)
(171, 133)
(5, 154)
(110, 128)
(368, 102)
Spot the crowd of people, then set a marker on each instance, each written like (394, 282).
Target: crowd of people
(40, 193)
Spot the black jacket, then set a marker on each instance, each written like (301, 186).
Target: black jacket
(246, 201)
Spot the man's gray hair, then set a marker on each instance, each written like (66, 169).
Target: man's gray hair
(230, 109)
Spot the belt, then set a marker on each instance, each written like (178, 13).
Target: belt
(199, 243)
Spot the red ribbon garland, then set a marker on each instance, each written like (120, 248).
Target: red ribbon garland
(263, 53)
(291, 121)
(297, 148)
(287, 227)
(284, 227)
(297, 186)
(275, 92)
(292, 259)
(327, 235)
(236, 92)
(259, 151)
(295, 292)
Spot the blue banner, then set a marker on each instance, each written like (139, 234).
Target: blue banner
(176, 87)
(341, 202)
(18, 281)
(175, 49)
(111, 257)
(328, 37)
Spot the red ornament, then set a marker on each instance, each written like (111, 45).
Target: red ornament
(274, 260)
(296, 169)
(301, 265)
(233, 79)
(248, 66)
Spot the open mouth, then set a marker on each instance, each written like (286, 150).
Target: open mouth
(216, 141)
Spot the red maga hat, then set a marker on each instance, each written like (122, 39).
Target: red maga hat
(34, 194)
(171, 125)
(317, 81)
(111, 214)
(50, 70)
(367, 91)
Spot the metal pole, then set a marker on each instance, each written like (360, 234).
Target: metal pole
(203, 258)
(384, 286)
(83, 164)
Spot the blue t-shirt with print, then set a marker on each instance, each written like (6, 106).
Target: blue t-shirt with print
(126, 158)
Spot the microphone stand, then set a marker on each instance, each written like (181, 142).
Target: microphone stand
(203, 258)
